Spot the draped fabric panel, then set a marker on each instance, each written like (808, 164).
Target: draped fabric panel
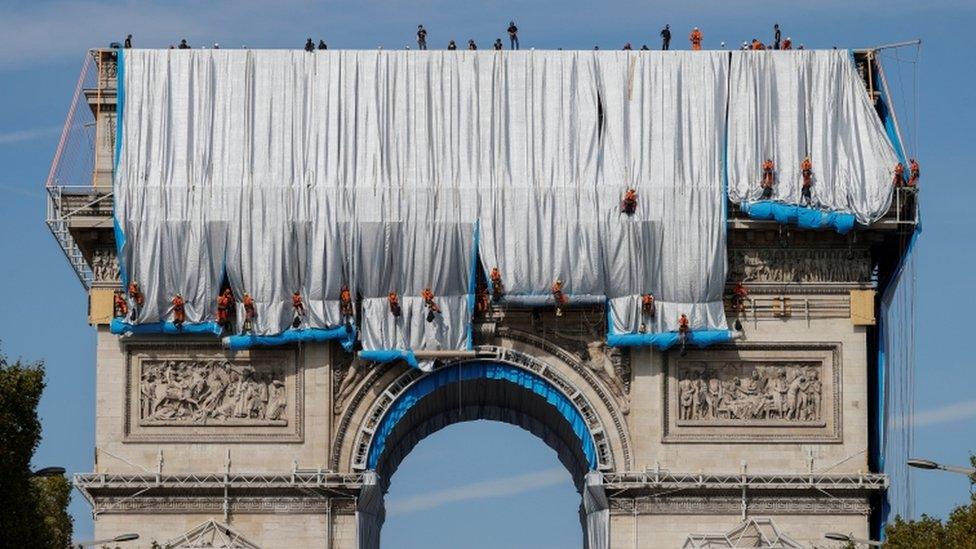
(664, 136)
(785, 105)
(287, 171)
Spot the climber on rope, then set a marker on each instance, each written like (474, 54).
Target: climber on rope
(135, 294)
(806, 168)
(628, 204)
(249, 313)
(647, 305)
(768, 178)
(345, 306)
(913, 173)
(684, 331)
(739, 295)
(119, 307)
(224, 302)
(179, 311)
(432, 309)
(558, 296)
(497, 288)
(394, 300)
(696, 39)
(899, 180)
(299, 307)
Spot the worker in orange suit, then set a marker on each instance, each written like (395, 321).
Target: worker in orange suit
(394, 301)
(684, 330)
(299, 307)
(647, 305)
(628, 204)
(224, 301)
(806, 169)
(913, 172)
(119, 307)
(696, 39)
(179, 311)
(345, 302)
(497, 288)
(558, 296)
(249, 312)
(432, 308)
(899, 175)
(135, 294)
(768, 178)
(739, 295)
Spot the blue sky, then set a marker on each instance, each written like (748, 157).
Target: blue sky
(481, 466)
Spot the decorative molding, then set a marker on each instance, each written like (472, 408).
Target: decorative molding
(105, 267)
(767, 380)
(800, 265)
(212, 395)
(182, 504)
(732, 505)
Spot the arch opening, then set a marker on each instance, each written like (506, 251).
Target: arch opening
(490, 390)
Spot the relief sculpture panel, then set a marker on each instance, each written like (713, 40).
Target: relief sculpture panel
(754, 393)
(800, 265)
(201, 393)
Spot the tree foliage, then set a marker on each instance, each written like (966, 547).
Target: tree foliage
(33, 511)
(957, 531)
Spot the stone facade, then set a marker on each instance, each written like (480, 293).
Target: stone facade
(270, 443)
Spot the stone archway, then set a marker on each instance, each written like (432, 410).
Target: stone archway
(542, 393)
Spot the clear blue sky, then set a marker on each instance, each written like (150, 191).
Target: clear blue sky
(478, 464)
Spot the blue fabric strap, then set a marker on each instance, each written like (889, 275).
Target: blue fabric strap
(345, 335)
(119, 327)
(390, 355)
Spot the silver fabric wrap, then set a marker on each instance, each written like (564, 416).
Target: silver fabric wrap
(785, 105)
(274, 166)
(665, 124)
(595, 513)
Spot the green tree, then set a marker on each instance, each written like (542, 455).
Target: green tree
(958, 531)
(33, 511)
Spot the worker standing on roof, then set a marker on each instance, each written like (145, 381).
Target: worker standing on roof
(513, 35)
(696, 39)
(806, 168)
(776, 36)
(666, 38)
(128, 42)
(421, 37)
(768, 178)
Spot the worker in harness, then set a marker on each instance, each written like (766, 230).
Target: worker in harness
(299, 307)
(899, 180)
(432, 309)
(179, 311)
(558, 296)
(497, 288)
(628, 204)
(913, 173)
(666, 38)
(739, 295)
(684, 332)
(806, 169)
(137, 299)
(696, 39)
(421, 37)
(119, 307)
(394, 300)
(768, 178)
(249, 313)
(647, 305)
(224, 301)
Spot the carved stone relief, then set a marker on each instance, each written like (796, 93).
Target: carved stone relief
(754, 392)
(105, 267)
(749, 392)
(179, 392)
(799, 265)
(201, 393)
(588, 343)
